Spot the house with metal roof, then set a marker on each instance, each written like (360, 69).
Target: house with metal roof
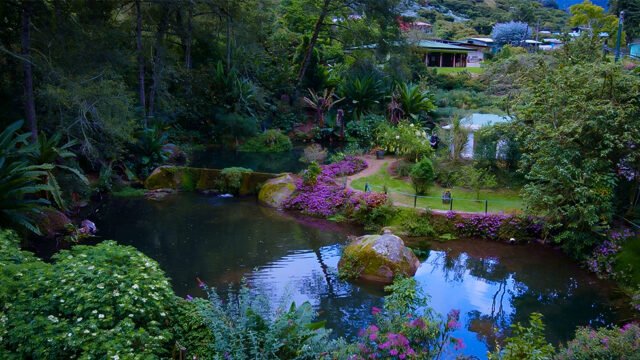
(438, 54)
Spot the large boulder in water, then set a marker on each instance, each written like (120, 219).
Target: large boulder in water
(274, 192)
(377, 258)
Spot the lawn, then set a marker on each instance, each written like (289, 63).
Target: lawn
(401, 192)
(452, 70)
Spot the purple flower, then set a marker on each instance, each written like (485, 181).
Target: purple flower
(375, 310)
(189, 298)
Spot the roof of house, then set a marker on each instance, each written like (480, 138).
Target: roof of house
(420, 23)
(476, 121)
(429, 44)
(482, 39)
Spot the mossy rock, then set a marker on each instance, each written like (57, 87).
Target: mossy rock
(377, 259)
(209, 180)
(162, 177)
(276, 191)
(191, 179)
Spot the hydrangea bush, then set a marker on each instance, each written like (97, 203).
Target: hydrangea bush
(102, 301)
(614, 343)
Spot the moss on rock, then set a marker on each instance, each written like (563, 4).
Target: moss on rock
(191, 179)
(275, 191)
(377, 258)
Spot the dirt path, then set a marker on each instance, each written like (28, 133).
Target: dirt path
(374, 166)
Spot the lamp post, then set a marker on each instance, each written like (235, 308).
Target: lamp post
(619, 38)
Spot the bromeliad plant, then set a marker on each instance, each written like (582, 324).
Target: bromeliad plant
(321, 104)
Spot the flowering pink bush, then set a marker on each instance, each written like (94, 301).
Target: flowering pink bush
(327, 197)
(497, 226)
(603, 257)
(415, 337)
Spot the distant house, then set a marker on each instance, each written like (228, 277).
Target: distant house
(421, 26)
(481, 46)
(440, 54)
(473, 123)
(550, 44)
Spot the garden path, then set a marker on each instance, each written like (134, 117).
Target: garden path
(373, 167)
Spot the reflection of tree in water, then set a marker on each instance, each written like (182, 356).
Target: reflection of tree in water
(565, 298)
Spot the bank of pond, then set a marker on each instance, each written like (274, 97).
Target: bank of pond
(287, 256)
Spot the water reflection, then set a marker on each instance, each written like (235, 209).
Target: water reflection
(293, 258)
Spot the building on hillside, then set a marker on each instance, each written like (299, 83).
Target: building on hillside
(473, 123)
(421, 26)
(481, 46)
(550, 44)
(441, 54)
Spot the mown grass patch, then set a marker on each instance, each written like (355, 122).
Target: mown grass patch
(402, 193)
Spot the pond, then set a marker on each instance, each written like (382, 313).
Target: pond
(295, 258)
(264, 162)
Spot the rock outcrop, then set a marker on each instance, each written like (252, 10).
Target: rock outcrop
(377, 258)
(274, 192)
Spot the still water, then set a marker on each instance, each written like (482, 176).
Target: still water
(295, 258)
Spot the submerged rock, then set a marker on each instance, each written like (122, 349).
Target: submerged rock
(377, 258)
(275, 191)
(158, 194)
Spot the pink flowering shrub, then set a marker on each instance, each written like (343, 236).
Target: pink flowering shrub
(500, 226)
(613, 343)
(603, 257)
(400, 333)
(327, 197)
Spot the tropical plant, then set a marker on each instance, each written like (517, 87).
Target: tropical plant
(48, 151)
(20, 181)
(321, 103)
(362, 94)
(459, 138)
(413, 100)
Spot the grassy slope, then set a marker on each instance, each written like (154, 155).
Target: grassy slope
(464, 199)
(451, 70)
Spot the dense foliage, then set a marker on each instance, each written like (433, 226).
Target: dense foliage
(92, 301)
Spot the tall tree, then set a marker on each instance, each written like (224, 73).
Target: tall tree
(324, 11)
(29, 99)
(141, 93)
(158, 58)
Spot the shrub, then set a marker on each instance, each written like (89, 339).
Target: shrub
(362, 132)
(603, 343)
(415, 224)
(231, 179)
(405, 140)
(310, 175)
(422, 176)
(245, 328)
(526, 343)
(314, 153)
(190, 329)
(374, 218)
(102, 301)
(271, 141)
(401, 330)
